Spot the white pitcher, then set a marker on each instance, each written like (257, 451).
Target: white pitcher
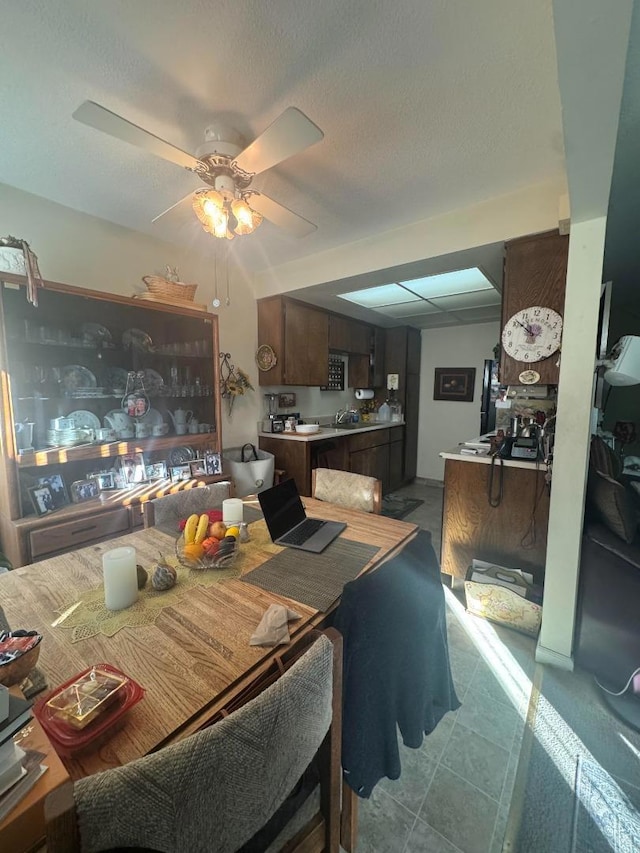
(180, 417)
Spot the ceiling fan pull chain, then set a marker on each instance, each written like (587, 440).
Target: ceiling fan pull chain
(228, 299)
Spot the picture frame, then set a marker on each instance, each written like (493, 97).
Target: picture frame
(456, 384)
(287, 400)
(157, 471)
(106, 480)
(58, 489)
(84, 490)
(42, 499)
(213, 463)
(198, 468)
(180, 472)
(133, 469)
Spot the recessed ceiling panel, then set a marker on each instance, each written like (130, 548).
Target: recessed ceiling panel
(408, 309)
(468, 300)
(375, 297)
(449, 283)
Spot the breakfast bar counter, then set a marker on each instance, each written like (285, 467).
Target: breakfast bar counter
(497, 512)
(331, 431)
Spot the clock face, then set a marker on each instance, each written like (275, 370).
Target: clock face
(532, 334)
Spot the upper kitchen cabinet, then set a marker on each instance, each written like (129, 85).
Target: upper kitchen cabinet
(535, 274)
(299, 337)
(349, 336)
(378, 379)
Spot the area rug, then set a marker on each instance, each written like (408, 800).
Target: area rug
(576, 788)
(397, 506)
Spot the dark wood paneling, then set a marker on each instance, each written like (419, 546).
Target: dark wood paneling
(395, 358)
(377, 372)
(373, 462)
(362, 440)
(349, 336)
(411, 417)
(358, 375)
(396, 464)
(535, 274)
(338, 333)
(414, 346)
(293, 457)
(271, 332)
(306, 345)
(471, 527)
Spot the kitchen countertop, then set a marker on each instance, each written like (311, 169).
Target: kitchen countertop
(484, 458)
(331, 432)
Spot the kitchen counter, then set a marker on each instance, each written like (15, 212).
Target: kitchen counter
(330, 431)
(485, 458)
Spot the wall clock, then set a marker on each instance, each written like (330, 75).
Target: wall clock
(532, 334)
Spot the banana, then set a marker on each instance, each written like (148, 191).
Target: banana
(190, 529)
(202, 528)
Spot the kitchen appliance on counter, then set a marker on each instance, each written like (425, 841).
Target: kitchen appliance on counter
(273, 422)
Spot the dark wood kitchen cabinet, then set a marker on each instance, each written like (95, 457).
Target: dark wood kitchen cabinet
(402, 356)
(299, 336)
(396, 457)
(535, 273)
(349, 336)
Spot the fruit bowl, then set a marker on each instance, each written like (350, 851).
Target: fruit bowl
(224, 558)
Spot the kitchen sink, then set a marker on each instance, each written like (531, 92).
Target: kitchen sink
(342, 427)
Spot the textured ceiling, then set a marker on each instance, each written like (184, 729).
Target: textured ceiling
(426, 106)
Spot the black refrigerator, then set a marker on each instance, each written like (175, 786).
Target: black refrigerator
(491, 389)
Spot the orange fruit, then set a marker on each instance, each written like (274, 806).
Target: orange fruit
(193, 550)
(218, 529)
(234, 531)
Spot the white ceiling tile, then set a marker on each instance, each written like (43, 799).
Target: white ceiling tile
(376, 297)
(468, 300)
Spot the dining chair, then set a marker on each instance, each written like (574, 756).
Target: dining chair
(168, 510)
(354, 491)
(216, 790)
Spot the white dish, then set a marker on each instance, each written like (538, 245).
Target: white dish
(153, 418)
(84, 420)
(307, 429)
(118, 420)
(75, 376)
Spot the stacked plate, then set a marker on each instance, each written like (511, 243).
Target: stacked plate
(69, 437)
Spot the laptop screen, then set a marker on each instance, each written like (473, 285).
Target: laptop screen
(282, 508)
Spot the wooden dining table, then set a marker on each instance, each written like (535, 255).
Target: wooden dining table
(196, 655)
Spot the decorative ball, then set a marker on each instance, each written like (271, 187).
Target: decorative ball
(143, 576)
(164, 577)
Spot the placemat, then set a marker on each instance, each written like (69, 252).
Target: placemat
(313, 579)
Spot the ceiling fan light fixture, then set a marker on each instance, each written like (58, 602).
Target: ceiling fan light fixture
(247, 219)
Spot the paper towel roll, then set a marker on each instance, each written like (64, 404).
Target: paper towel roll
(364, 394)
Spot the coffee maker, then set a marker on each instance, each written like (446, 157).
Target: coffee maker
(272, 422)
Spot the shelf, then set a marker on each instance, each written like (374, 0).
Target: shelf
(58, 455)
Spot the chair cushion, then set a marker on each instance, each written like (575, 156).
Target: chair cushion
(613, 505)
(345, 489)
(603, 459)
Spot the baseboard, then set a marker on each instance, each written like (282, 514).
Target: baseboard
(545, 655)
(427, 481)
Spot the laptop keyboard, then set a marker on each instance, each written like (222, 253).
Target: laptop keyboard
(302, 532)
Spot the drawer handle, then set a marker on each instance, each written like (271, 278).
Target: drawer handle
(83, 529)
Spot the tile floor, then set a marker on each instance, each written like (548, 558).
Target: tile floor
(454, 792)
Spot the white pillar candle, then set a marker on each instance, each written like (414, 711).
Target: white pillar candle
(232, 511)
(120, 578)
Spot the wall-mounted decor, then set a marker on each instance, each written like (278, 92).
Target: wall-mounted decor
(454, 383)
(286, 400)
(234, 382)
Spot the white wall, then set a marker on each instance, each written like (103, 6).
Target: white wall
(444, 424)
(85, 251)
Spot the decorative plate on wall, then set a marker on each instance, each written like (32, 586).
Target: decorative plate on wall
(266, 357)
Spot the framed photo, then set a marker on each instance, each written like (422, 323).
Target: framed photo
(287, 400)
(198, 468)
(133, 468)
(58, 489)
(180, 472)
(212, 463)
(454, 383)
(106, 480)
(157, 471)
(84, 490)
(42, 499)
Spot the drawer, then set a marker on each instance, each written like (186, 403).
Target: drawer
(72, 534)
(363, 440)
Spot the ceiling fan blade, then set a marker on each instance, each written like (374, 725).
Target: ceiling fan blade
(188, 197)
(281, 216)
(290, 133)
(102, 119)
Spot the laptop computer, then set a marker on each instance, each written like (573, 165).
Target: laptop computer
(287, 521)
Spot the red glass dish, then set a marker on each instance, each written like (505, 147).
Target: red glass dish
(68, 740)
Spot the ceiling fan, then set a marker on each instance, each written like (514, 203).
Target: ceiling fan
(228, 205)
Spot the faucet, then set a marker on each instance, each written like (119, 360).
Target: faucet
(343, 416)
